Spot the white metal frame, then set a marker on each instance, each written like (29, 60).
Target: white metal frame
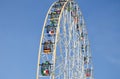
(68, 61)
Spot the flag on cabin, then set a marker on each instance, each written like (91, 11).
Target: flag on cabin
(51, 32)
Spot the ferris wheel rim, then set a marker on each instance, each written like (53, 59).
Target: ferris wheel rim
(37, 76)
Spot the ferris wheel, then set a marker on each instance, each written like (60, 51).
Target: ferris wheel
(64, 51)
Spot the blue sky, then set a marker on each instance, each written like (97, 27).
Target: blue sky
(21, 22)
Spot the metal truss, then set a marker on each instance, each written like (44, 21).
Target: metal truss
(64, 44)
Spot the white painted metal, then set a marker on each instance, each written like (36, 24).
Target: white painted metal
(69, 48)
(39, 53)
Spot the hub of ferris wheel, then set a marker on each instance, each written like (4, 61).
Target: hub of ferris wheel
(64, 51)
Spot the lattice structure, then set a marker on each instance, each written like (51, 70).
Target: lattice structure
(64, 51)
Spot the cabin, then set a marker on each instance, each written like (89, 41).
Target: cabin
(47, 46)
(46, 68)
(88, 72)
